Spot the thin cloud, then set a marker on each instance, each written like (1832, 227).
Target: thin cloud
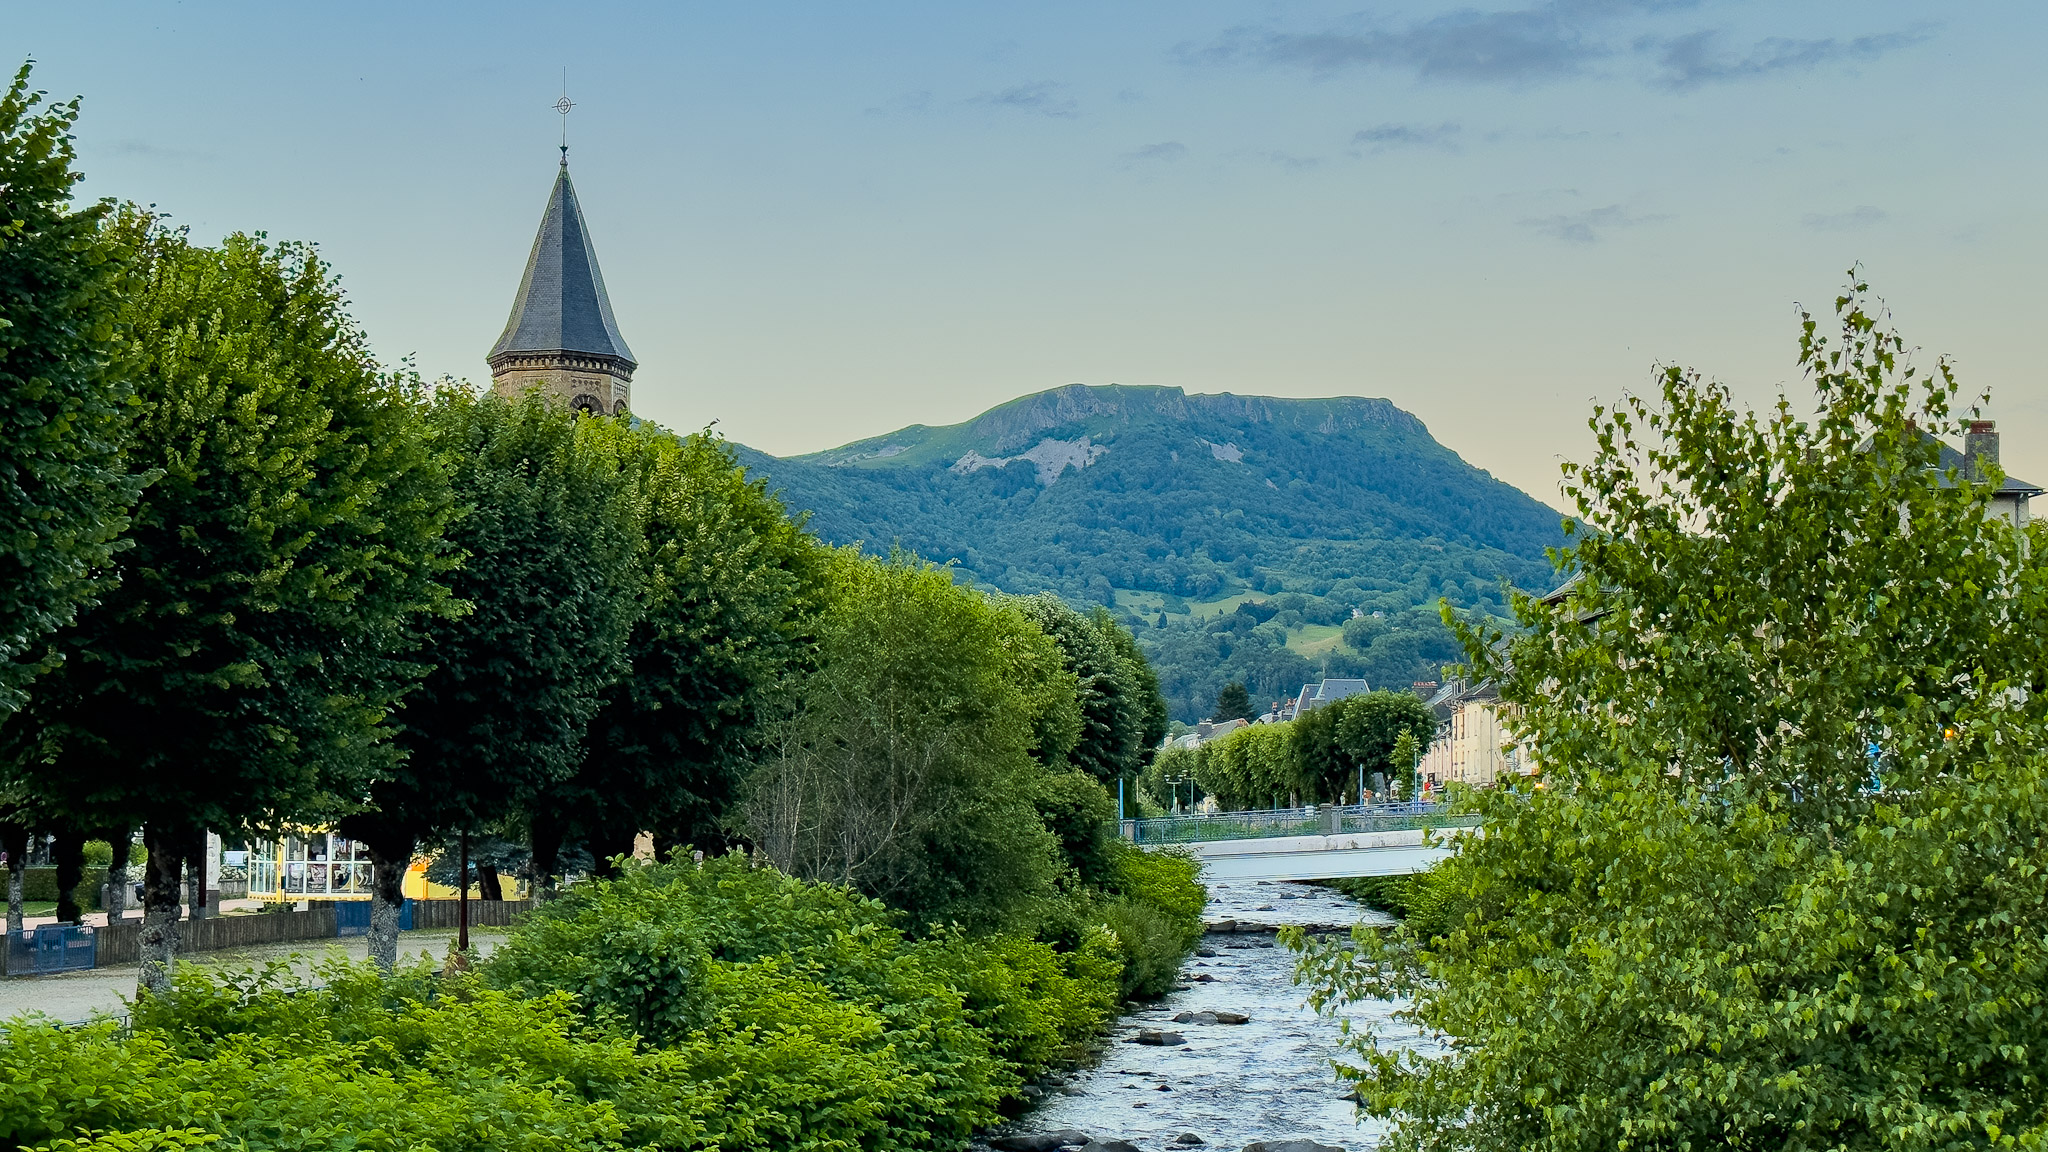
(1695, 60)
(1540, 42)
(1384, 136)
(1042, 98)
(1855, 219)
(1590, 226)
(1166, 151)
(1535, 43)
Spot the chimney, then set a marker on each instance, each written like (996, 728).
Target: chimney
(1980, 444)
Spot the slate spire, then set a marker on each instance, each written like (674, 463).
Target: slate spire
(561, 336)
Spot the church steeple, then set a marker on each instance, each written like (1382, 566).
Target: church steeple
(561, 337)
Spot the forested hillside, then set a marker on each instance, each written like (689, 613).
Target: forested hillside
(1235, 534)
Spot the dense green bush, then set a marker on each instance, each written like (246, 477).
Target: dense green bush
(1428, 903)
(360, 1063)
(1155, 915)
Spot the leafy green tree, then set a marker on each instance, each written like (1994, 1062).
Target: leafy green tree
(281, 566)
(548, 538)
(1115, 710)
(1232, 703)
(730, 588)
(904, 767)
(1141, 686)
(65, 489)
(1405, 769)
(1254, 767)
(1371, 733)
(1319, 761)
(1787, 883)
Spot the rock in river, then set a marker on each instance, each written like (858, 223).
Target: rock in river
(1218, 1016)
(1039, 1141)
(1158, 1037)
(1109, 1146)
(1291, 1146)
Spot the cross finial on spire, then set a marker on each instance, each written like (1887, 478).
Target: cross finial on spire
(563, 105)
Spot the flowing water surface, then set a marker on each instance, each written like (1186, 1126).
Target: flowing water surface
(1269, 1079)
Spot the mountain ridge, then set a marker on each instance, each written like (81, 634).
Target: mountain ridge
(1155, 502)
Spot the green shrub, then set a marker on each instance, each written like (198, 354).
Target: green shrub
(1429, 904)
(1155, 912)
(1147, 944)
(265, 1065)
(1034, 1004)
(39, 884)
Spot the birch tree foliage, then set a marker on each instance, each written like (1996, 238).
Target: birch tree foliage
(904, 767)
(1787, 883)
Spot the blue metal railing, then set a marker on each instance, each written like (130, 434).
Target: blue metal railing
(50, 948)
(1327, 819)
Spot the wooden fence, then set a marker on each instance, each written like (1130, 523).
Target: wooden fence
(441, 914)
(121, 943)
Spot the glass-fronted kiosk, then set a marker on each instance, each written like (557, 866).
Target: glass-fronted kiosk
(309, 865)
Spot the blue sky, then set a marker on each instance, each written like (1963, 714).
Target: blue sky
(824, 221)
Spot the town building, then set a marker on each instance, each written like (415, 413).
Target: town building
(1204, 732)
(1472, 744)
(561, 338)
(1314, 696)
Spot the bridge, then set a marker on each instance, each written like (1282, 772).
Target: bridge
(1323, 843)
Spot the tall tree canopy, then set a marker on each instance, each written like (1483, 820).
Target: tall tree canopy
(65, 490)
(1787, 883)
(1372, 725)
(268, 615)
(548, 534)
(1122, 714)
(729, 591)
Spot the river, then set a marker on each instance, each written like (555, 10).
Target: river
(1269, 1079)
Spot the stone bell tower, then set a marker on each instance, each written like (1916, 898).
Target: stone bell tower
(561, 338)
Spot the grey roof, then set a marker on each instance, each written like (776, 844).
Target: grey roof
(562, 306)
(1950, 458)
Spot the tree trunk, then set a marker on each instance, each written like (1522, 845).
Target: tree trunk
(14, 838)
(69, 855)
(195, 876)
(488, 886)
(607, 845)
(462, 898)
(388, 862)
(117, 872)
(545, 865)
(159, 936)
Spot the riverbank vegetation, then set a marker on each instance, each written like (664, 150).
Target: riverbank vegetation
(1786, 885)
(678, 1006)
